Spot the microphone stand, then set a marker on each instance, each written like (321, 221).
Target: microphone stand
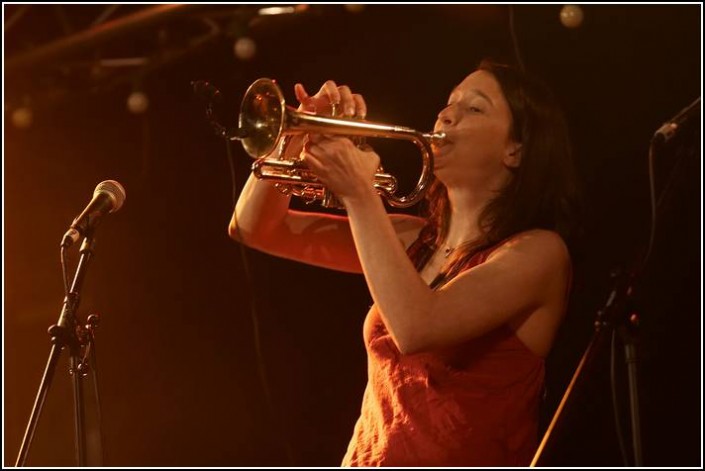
(617, 315)
(67, 332)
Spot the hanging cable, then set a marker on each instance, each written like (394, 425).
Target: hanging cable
(615, 399)
(64, 271)
(652, 202)
(93, 362)
(254, 316)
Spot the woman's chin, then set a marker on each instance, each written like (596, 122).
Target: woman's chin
(440, 160)
(440, 171)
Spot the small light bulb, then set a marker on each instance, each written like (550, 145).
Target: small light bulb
(354, 7)
(97, 71)
(245, 48)
(137, 102)
(22, 117)
(571, 16)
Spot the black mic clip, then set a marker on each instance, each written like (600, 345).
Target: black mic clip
(206, 91)
(670, 128)
(210, 95)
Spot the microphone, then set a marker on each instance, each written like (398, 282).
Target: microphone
(108, 197)
(206, 91)
(670, 128)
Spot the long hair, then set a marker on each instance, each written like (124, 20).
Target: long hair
(542, 192)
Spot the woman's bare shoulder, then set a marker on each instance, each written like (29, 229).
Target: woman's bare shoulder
(535, 243)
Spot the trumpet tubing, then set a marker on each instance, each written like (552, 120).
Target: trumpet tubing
(265, 119)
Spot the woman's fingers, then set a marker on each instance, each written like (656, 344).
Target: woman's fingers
(306, 101)
(314, 138)
(312, 163)
(360, 106)
(333, 100)
(346, 101)
(301, 93)
(330, 89)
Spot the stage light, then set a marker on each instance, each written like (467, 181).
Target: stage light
(571, 16)
(245, 48)
(276, 11)
(137, 102)
(271, 11)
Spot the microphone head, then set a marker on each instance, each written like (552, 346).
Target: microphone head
(112, 190)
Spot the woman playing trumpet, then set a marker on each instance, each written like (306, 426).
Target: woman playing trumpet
(468, 299)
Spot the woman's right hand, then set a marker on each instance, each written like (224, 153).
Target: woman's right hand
(332, 100)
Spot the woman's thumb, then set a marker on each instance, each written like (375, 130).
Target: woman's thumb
(300, 92)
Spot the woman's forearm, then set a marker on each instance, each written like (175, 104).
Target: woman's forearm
(400, 293)
(261, 207)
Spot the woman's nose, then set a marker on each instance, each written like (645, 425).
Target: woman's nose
(445, 117)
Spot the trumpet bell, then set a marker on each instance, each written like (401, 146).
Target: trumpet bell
(262, 117)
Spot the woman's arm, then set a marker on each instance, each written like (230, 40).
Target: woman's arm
(527, 277)
(524, 280)
(262, 218)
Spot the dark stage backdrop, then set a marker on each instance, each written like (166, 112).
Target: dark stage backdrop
(180, 379)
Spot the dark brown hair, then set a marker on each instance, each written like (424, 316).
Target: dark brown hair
(543, 190)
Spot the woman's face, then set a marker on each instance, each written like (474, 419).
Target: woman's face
(477, 122)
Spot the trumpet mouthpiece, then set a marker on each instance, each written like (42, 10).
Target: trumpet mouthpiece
(436, 138)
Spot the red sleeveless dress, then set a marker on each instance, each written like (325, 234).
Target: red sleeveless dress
(475, 404)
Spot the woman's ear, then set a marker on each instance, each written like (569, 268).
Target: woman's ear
(512, 159)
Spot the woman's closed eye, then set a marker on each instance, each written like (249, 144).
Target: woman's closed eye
(474, 109)
(471, 108)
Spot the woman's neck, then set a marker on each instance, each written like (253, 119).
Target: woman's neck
(466, 206)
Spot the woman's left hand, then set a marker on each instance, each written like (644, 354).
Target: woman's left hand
(342, 167)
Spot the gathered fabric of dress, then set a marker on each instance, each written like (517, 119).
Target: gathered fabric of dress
(474, 404)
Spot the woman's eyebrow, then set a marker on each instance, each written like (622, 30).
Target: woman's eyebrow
(476, 91)
(483, 95)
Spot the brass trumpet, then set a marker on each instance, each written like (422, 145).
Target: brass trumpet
(265, 119)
